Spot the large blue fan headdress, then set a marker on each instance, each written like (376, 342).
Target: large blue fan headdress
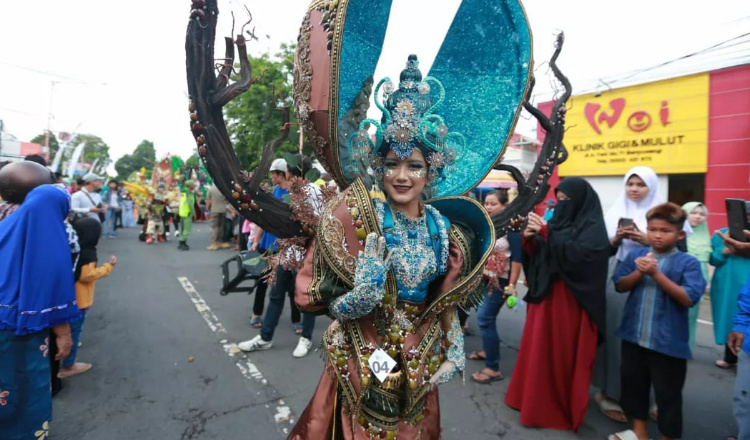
(475, 87)
(409, 121)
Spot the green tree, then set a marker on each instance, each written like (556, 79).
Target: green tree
(193, 161)
(253, 118)
(53, 144)
(95, 150)
(144, 155)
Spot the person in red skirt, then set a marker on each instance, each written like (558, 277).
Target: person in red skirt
(566, 266)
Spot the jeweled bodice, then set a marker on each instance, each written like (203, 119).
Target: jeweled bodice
(417, 256)
(414, 262)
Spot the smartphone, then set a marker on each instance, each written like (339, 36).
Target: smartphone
(737, 218)
(626, 222)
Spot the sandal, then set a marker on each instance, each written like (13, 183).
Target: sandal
(724, 364)
(298, 328)
(483, 377)
(77, 368)
(624, 435)
(256, 322)
(611, 409)
(478, 356)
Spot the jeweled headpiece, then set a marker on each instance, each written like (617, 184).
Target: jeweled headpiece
(409, 121)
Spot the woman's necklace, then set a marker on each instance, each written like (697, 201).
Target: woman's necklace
(415, 260)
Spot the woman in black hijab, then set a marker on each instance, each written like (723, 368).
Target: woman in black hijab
(566, 266)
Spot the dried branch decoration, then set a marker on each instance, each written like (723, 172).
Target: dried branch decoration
(532, 191)
(210, 89)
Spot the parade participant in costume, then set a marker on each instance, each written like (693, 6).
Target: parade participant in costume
(187, 213)
(141, 194)
(162, 173)
(408, 267)
(566, 264)
(392, 272)
(175, 196)
(156, 215)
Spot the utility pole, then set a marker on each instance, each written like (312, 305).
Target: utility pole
(49, 118)
(48, 133)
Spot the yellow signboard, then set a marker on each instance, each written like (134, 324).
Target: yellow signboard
(663, 125)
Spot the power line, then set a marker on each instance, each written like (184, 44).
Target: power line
(22, 112)
(43, 72)
(666, 63)
(66, 79)
(732, 52)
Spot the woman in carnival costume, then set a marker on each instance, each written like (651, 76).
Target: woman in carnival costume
(396, 299)
(392, 273)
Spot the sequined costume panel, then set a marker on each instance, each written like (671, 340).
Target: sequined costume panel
(455, 352)
(375, 309)
(414, 269)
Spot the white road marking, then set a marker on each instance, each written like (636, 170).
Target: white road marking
(282, 413)
(705, 322)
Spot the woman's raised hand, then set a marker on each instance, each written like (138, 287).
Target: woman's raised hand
(369, 280)
(372, 263)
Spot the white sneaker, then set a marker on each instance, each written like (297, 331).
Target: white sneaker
(176, 233)
(255, 344)
(303, 347)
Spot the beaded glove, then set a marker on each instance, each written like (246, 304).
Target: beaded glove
(369, 277)
(455, 358)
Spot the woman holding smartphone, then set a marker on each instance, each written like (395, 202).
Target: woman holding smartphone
(626, 228)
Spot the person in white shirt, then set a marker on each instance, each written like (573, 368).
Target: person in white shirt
(285, 281)
(87, 200)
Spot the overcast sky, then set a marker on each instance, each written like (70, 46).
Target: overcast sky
(120, 67)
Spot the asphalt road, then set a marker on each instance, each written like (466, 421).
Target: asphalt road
(165, 365)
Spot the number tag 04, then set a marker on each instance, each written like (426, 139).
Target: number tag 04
(381, 364)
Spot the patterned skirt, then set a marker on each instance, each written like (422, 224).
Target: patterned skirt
(25, 396)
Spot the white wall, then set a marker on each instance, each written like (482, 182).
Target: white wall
(609, 188)
(522, 157)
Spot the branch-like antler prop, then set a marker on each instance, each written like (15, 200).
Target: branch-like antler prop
(209, 92)
(531, 191)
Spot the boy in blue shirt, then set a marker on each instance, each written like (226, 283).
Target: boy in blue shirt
(663, 283)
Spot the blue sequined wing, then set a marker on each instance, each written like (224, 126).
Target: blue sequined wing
(484, 64)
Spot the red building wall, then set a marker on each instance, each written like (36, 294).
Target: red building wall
(728, 173)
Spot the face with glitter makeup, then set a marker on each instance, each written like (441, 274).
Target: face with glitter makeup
(404, 180)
